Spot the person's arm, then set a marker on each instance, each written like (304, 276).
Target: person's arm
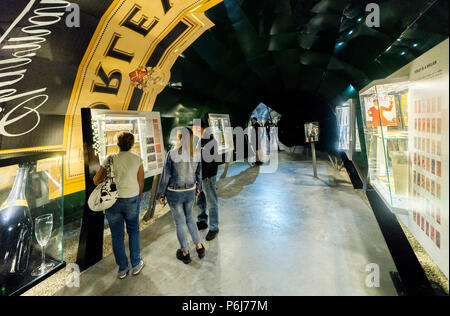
(165, 178)
(198, 178)
(388, 109)
(140, 179)
(100, 176)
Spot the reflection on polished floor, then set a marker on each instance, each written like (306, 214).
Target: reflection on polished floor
(283, 233)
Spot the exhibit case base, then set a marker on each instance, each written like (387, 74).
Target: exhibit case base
(31, 281)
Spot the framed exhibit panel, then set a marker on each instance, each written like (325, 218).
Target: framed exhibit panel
(429, 153)
(343, 114)
(386, 133)
(312, 132)
(357, 139)
(348, 134)
(146, 127)
(223, 132)
(31, 219)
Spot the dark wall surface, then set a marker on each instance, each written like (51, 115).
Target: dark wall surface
(298, 57)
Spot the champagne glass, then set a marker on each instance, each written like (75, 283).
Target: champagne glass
(43, 232)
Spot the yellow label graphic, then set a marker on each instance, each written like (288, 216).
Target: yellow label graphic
(131, 35)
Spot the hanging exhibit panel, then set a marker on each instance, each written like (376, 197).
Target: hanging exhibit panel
(348, 132)
(147, 131)
(222, 131)
(312, 132)
(31, 219)
(429, 153)
(343, 114)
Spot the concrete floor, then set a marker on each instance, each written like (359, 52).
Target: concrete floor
(285, 233)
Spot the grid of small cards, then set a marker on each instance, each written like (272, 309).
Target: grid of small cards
(154, 148)
(427, 167)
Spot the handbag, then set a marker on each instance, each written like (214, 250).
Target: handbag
(105, 194)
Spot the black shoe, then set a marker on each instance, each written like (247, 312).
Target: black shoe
(202, 225)
(186, 259)
(211, 235)
(201, 252)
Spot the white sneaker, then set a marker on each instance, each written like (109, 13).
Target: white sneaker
(122, 275)
(139, 268)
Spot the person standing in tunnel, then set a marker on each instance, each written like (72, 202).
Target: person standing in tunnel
(129, 178)
(268, 126)
(207, 200)
(180, 183)
(256, 140)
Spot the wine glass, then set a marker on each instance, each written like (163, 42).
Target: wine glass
(43, 231)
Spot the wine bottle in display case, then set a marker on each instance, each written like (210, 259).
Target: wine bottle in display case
(16, 228)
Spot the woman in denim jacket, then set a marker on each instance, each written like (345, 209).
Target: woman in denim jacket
(181, 182)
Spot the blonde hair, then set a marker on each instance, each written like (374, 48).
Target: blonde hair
(182, 142)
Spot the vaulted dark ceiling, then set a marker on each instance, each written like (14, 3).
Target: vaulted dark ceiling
(300, 57)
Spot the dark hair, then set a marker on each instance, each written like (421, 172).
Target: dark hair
(254, 118)
(125, 141)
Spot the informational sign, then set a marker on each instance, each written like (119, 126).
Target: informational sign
(429, 153)
(50, 71)
(343, 120)
(312, 132)
(358, 141)
(147, 131)
(223, 132)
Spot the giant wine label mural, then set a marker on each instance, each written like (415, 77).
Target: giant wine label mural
(54, 62)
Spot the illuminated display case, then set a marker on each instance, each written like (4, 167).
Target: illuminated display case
(343, 114)
(31, 219)
(146, 127)
(348, 141)
(223, 132)
(385, 114)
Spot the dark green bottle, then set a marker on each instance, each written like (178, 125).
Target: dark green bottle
(16, 229)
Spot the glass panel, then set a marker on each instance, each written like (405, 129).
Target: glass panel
(31, 222)
(343, 117)
(385, 109)
(147, 131)
(358, 142)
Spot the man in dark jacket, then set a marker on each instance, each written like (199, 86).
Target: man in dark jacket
(268, 125)
(256, 139)
(207, 200)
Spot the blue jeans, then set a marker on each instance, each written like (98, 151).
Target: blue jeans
(181, 205)
(208, 204)
(125, 211)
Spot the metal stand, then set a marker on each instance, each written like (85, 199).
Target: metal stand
(152, 204)
(90, 247)
(313, 149)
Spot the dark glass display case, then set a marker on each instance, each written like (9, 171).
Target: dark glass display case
(31, 219)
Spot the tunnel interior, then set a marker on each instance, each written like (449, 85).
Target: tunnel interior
(300, 57)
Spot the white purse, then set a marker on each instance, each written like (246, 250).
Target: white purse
(105, 194)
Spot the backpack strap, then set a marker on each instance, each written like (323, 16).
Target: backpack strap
(110, 170)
